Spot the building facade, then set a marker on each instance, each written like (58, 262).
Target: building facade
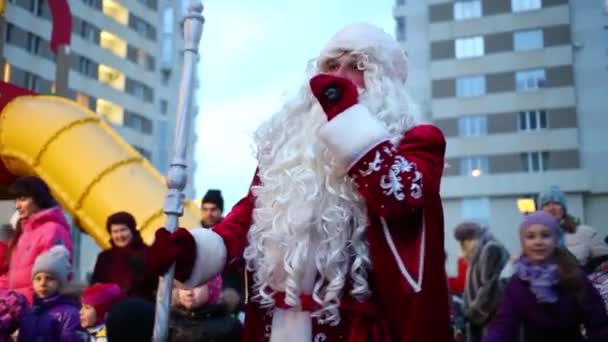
(516, 86)
(125, 65)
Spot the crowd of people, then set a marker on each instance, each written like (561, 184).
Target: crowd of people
(40, 302)
(555, 290)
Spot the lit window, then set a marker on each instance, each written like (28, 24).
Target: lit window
(476, 209)
(524, 5)
(469, 47)
(467, 9)
(533, 120)
(526, 205)
(472, 126)
(530, 79)
(400, 29)
(112, 77)
(113, 43)
(528, 40)
(535, 161)
(31, 81)
(111, 111)
(474, 166)
(470, 86)
(7, 72)
(82, 99)
(116, 11)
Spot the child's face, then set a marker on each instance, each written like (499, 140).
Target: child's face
(538, 243)
(88, 316)
(45, 285)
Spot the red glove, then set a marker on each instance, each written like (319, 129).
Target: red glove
(167, 249)
(335, 94)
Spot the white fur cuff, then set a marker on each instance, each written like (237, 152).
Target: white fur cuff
(210, 256)
(353, 133)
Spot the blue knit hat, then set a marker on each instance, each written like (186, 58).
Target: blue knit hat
(553, 194)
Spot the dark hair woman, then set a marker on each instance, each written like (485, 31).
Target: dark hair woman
(41, 226)
(549, 296)
(124, 263)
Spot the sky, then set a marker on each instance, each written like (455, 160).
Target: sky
(252, 53)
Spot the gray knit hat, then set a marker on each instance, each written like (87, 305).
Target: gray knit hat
(55, 261)
(553, 194)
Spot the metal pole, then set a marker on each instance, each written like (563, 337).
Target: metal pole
(177, 177)
(62, 70)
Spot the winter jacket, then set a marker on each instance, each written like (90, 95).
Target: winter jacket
(97, 334)
(585, 244)
(41, 231)
(483, 288)
(125, 266)
(212, 323)
(520, 313)
(52, 319)
(456, 284)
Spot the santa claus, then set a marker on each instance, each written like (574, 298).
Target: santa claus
(341, 231)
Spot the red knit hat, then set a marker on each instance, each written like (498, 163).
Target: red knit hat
(101, 297)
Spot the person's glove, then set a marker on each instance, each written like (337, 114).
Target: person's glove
(335, 94)
(169, 248)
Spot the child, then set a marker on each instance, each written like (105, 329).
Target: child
(96, 302)
(548, 298)
(197, 316)
(53, 316)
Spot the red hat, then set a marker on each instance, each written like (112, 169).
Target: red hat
(101, 297)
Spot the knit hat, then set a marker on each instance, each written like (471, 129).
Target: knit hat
(131, 320)
(214, 196)
(372, 40)
(35, 188)
(553, 194)
(55, 261)
(542, 218)
(101, 297)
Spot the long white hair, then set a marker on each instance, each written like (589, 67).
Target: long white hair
(308, 213)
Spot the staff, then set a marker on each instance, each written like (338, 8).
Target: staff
(177, 177)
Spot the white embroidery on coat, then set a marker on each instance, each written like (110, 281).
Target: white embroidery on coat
(391, 183)
(267, 330)
(373, 166)
(320, 337)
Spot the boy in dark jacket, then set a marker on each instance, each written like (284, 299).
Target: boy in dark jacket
(53, 316)
(197, 316)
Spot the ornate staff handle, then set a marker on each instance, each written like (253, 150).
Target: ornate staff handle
(177, 177)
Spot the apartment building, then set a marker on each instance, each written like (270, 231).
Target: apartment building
(517, 86)
(125, 65)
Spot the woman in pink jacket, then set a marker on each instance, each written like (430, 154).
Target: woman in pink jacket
(41, 226)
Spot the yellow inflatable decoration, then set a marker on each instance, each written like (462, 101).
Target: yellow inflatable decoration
(91, 170)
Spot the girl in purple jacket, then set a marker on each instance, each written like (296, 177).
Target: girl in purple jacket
(53, 316)
(548, 298)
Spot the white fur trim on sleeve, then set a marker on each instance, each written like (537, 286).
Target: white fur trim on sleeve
(353, 133)
(210, 256)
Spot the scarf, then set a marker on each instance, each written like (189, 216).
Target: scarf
(542, 278)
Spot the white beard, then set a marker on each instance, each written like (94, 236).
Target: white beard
(309, 221)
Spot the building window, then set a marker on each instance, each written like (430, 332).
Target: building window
(530, 79)
(400, 29)
(88, 32)
(535, 161)
(476, 209)
(113, 43)
(111, 111)
(116, 11)
(33, 43)
(469, 47)
(36, 7)
(93, 3)
(142, 27)
(138, 122)
(85, 66)
(525, 5)
(528, 40)
(165, 77)
(474, 166)
(472, 126)
(164, 107)
(467, 9)
(7, 73)
(400, 2)
(10, 28)
(82, 99)
(152, 4)
(533, 120)
(145, 153)
(140, 90)
(470, 86)
(31, 81)
(111, 77)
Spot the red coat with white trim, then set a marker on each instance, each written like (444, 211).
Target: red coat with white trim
(400, 183)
